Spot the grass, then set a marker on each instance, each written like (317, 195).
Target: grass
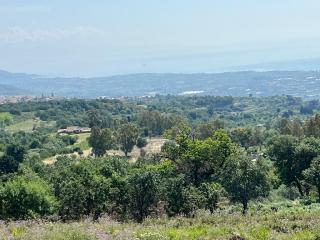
(154, 146)
(82, 141)
(5, 116)
(28, 125)
(297, 223)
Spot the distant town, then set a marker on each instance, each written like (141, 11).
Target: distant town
(18, 99)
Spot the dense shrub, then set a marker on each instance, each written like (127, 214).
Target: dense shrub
(26, 196)
(143, 192)
(81, 191)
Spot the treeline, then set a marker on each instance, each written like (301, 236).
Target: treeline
(206, 163)
(163, 110)
(189, 174)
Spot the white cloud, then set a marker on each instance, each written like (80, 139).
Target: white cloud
(19, 34)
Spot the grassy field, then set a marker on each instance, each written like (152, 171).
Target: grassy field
(82, 141)
(28, 125)
(295, 222)
(153, 146)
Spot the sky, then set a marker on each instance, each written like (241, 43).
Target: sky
(106, 37)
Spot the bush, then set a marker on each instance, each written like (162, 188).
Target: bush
(182, 199)
(25, 197)
(211, 193)
(81, 191)
(69, 140)
(14, 155)
(141, 142)
(143, 192)
(192, 200)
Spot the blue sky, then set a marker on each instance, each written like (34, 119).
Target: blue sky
(105, 37)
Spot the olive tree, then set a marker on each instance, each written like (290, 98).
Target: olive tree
(245, 179)
(291, 157)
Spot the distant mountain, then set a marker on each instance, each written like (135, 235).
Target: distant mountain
(311, 64)
(7, 90)
(304, 84)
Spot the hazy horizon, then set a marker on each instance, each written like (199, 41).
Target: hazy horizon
(102, 38)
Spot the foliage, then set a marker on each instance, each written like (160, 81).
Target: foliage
(26, 196)
(141, 142)
(292, 157)
(5, 119)
(312, 174)
(100, 140)
(127, 137)
(81, 191)
(143, 191)
(9, 162)
(202, 160)
(217, 154)
(212, 194)
(245, 179)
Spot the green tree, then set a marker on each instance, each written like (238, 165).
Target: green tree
(16, 151)
(292, 157)
(312, 174)
(181, 197)
(212, 193)
(281, 151)
(100, 140)
(202, 160)
(127, 137)
(242, 136)
(141, 142)
(245, 179)
(26, 196)
(118, 200)
(5, 119)
(192, 200)
(174, 194)
(169, 150)
(95, 119)
(312, 126)
(81, 191)
(143, 192)
(308, 149)
(206, 129)
(14, 155)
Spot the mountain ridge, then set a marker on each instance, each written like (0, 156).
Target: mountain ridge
(304, 84)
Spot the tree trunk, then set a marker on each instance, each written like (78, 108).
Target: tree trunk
(318, 189)
(245, 207)
(211, 210)
(195, 176)
(299, 186)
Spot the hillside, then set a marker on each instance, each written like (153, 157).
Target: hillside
(301, 222)
(7, 90)
(159, 168)
(304, 84)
